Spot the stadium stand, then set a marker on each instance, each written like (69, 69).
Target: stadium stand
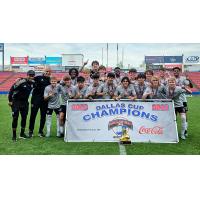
(195, 78)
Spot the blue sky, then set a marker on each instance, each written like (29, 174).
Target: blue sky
(133, 53)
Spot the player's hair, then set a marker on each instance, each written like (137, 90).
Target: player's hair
(155, 78)
(149, 71)
(125, 78)
(80, 79)
(117, 68)
(171, 79)
(111, 75)
(177, 68)
(141, 75)
(66, 78)
(133, 70)
(162, 69)
(95, 76)
(73, 69)
(102, 68)
(95, 62)
(53, 78)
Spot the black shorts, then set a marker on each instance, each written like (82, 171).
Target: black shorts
(180, 110)
(63, 109)
(21, 107)
(50, 111)
(185, 106)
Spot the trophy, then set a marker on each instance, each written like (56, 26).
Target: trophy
(125, 138)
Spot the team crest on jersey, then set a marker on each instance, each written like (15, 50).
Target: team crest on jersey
(119, 124)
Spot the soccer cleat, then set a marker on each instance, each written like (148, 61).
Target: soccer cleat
(14, 139)
(23, 136)
(41, 134)
(30, 134)
(62, 135)
(186, 133)
(183, 137)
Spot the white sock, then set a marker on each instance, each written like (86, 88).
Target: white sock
(48, 121)
(186, 126)
(183, 123)
(62, 129)
(58, 125)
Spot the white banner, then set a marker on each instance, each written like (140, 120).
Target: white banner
(104, 121)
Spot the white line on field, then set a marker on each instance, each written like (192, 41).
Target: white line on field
(122, 149)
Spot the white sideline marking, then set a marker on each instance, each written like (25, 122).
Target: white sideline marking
(122, 149)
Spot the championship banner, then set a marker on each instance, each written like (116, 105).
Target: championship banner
(18, 60)
(108, 120)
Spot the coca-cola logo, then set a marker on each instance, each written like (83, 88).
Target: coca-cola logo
(157, 130)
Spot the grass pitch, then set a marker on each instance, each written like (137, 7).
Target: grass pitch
(55, 146)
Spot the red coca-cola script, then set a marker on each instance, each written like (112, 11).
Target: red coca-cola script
(157, 130)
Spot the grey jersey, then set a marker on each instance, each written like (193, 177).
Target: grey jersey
(182, 81)
(125, 93)
(74, 81)
(53, 101)
(176, 95)
(139, 89)
(107, 89)
(82, 91)
(93, 89)
(163, 81)
(117, 81)
(156, 93)
(67, 93)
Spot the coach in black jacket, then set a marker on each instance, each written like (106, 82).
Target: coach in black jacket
(37, 102)
(18, 100)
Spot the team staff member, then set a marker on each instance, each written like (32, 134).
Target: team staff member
(18, 100)
(37, 102)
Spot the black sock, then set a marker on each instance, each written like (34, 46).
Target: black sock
(14, 134)
(22, 131)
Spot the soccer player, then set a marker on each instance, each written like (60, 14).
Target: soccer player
(107, 90)
(132, 74)
(91, 92)
(140, 85)
(18, 100)
(118, 77)
(182, 82)
(68, 91)
(102, 73)
(125, 90)
(162, 75)
(73, 72)
(80, 88)
(149, 75)
(37, 102)
(155, 90)
(51, 95)
(175, 93)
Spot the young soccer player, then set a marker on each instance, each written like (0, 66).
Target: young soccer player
(91, 92)
(175, 92)
(107, 90)
(80, 88)
(125, 90)
(68, 91)
(132, 74)
(149, 75)
(140, 85)
(51, 95)
(155, 90)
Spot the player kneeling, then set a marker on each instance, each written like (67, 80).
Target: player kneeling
(51, 94)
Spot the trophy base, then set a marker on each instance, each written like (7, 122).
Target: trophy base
(126, 142)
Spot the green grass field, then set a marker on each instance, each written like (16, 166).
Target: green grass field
(55, 146)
